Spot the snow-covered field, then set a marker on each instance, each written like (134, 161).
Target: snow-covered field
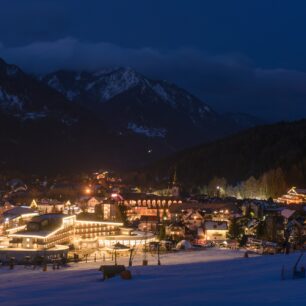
(209, 277)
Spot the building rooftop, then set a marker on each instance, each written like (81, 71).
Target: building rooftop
(48, 217)
(215, 225)
(301, 191)
(39, 233)
(18, 212)
(145, 196)
(36, 227)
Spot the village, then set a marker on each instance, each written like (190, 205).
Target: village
(104, 218)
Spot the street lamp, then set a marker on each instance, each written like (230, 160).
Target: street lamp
(87, 190)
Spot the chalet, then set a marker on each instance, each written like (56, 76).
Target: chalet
(293, 196)
(215, 230)
(193, 219)
(92, 202)
(211, 209)
(175, 231)
(47, 206)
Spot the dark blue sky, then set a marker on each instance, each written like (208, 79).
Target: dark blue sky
(237, 55)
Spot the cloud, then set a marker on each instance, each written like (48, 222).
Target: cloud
(228, 82)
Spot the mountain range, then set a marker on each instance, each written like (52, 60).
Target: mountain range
(108, 118)
(128, 102)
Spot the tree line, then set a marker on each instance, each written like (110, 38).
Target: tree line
(270, 184)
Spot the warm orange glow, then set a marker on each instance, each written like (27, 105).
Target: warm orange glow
(87, 190)
(293, 196)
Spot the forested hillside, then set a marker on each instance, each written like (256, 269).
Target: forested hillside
(269, 158)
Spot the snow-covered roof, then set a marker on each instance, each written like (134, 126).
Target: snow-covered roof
(18, 211)
(301, 191)
(287, 213)
(215, 225)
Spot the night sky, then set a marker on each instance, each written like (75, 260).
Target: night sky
(238, 56)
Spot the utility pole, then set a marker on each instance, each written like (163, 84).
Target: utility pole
(145, 260)
(158, 257)
(115, 257)
(131, 257)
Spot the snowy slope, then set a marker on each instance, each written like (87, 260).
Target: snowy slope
(210, 277)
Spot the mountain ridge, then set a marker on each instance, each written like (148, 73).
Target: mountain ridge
(251, 152)
(130, 102)
(137, 121)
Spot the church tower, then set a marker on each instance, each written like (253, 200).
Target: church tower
(175, 191)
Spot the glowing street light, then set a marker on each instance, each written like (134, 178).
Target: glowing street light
(87, 190)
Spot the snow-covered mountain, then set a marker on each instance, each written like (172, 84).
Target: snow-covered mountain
(114, 118)
(104, 85)
(41, 130)
(131, 103)
(22, 96)
(100, 86)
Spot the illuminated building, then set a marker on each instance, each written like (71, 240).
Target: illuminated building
(88, 230)
(45, 232)
(127, 237)
(215, 230)
(175, 230)
(83, 231)
(15, 219)
(293, 196)
(92, 202)
(139, 204)
(47, 206)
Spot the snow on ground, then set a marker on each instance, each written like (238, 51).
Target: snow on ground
(209, 277)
